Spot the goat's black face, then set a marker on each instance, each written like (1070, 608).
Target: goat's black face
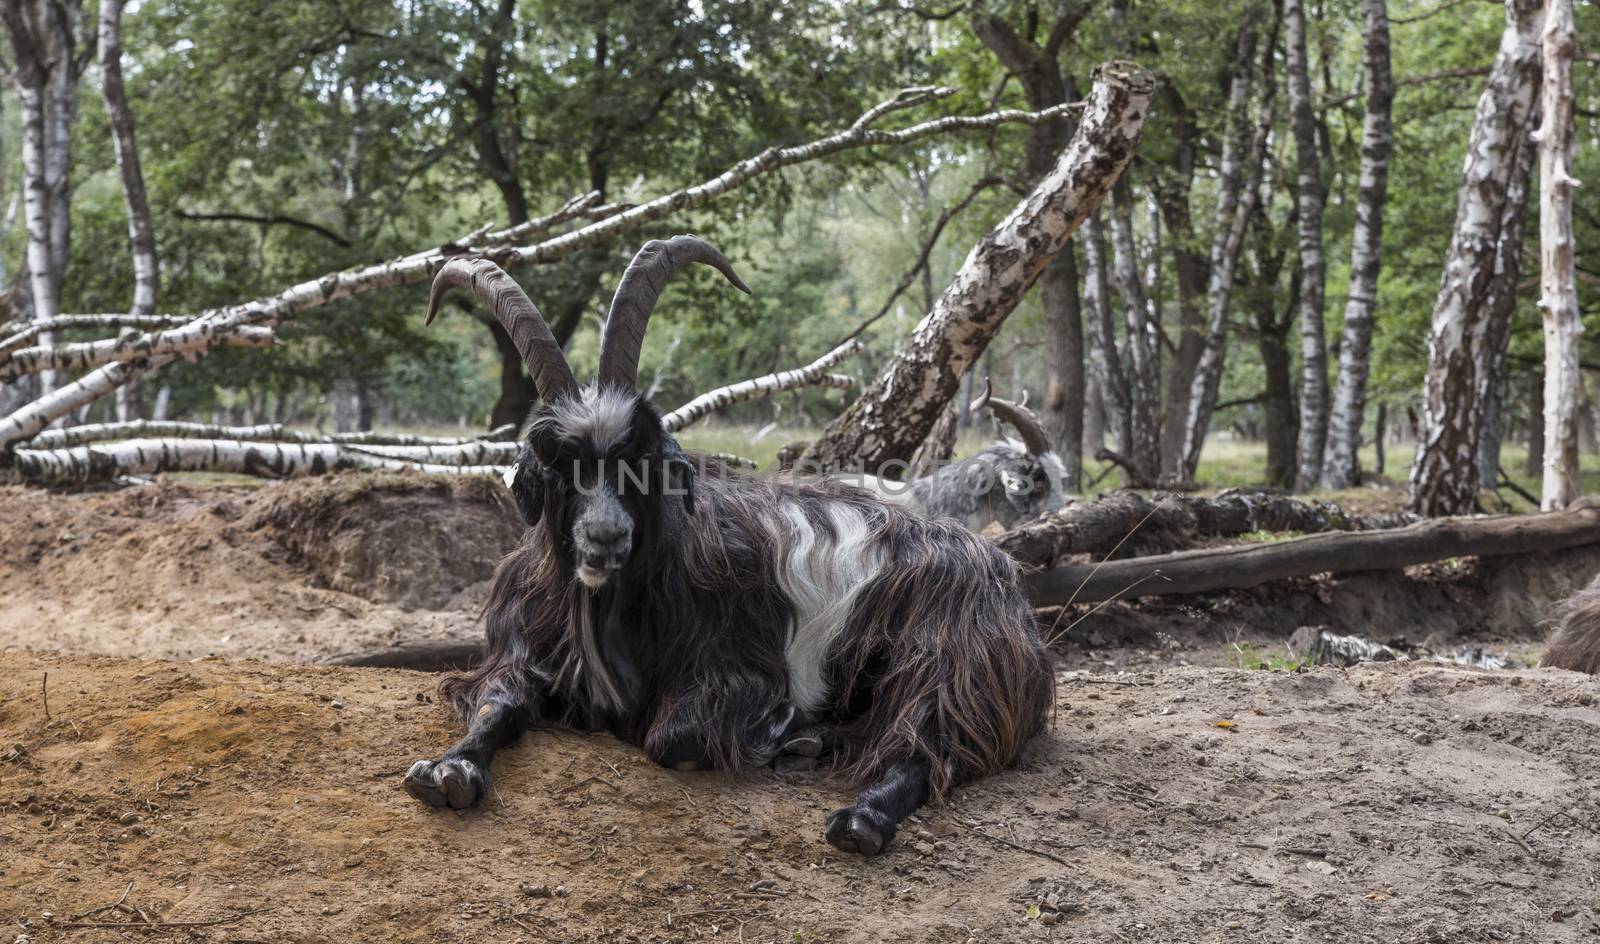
(604, 473)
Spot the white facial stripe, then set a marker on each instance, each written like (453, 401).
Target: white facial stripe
(821, 576)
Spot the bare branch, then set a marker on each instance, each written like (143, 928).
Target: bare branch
(814, 374)
(32, 418)
(208, 327)
(910, 275)
(1464, 72)
(129, 347)
(268, 219)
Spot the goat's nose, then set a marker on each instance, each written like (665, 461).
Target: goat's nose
(606, 534)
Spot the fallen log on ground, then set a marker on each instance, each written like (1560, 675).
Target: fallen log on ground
(1229, 568)
(1167, 522)
(103, 462)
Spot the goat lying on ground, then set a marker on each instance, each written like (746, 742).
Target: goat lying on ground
(1575, 644)
(1009, 482)
(721, 622)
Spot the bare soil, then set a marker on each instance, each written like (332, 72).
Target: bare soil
(260, 800)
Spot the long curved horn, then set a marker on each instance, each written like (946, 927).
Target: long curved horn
(636, 296)
(1028, 426)
(552, 377)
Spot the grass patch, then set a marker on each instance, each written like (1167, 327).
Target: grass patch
(1249, 655)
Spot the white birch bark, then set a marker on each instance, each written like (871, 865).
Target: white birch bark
(1105, 359)
(893, 416)
(265, 432)
(28, 80)
(1477, 290)
(100, 462)
(1308, 200)
(131, 346)
(141, 232)
(33, 418)
(1340, 467)
(421, 266)
(1558, 291)
(1243, 151)
(814, 374)
(1144, 344)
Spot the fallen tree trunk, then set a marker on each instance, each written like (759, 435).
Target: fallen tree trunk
(814, 374)
(265, 432)
(215, 327)
(102, 462)
(1168, 522)
(1239, 567)
(893, 416)
(87, 354)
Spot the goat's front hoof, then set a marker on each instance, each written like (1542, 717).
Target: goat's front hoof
(850, 830)
(456, 783)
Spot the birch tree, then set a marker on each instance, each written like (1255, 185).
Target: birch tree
(1037, 67)
(1477, 292)
(1308, 198)
(1340, 467)
(1144, 341)
(893, 416)
(1558, 292)
(141, 232)
(1244, 151)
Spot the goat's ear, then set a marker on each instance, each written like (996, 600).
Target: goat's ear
(679, 474)
(526, 480)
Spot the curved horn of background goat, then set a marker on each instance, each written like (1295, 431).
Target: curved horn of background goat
(636, 296)
(1028, 426)
(547, 365)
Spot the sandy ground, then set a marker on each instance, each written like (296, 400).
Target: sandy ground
(1401, 803)
(260, 801)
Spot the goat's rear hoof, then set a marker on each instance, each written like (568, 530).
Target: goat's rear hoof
(456, 783)
(850, 830)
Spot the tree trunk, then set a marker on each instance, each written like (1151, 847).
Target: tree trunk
(1038, 71)
(1106, 360)
(893, 416)
(1243, 156)
(1380, 433)
(1535, 464)
(64, 19)
(1272, 340)
(1063, 315)
(1252, 565)
(1127, 524)
(1308, 197)
(141, 233)
(1494, 428)
(1558, 290)
(1477, 292)
(1341, 467)
(1144, 448)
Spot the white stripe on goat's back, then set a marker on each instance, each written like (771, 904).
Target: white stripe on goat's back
(820, 573)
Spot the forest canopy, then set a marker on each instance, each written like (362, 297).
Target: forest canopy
(324, 135)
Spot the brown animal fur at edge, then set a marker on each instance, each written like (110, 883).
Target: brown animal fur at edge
(1575, 644)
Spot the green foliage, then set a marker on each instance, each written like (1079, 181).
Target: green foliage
(358, 132)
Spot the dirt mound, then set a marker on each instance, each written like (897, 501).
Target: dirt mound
(415, 541)
(296, 570)
(1383, 803)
